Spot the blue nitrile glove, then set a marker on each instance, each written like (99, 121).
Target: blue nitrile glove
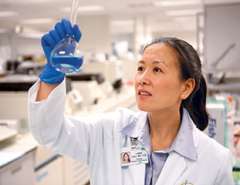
(61, 30)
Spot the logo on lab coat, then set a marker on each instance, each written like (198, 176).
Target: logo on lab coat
(187, 183)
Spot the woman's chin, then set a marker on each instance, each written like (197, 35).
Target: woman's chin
(144, 108)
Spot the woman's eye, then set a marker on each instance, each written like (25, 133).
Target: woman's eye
(140, 68)
(157, 69)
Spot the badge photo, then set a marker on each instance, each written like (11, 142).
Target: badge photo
(125, 158)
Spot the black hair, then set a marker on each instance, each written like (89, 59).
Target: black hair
(190, 67)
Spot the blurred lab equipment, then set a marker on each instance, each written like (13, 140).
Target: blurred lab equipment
(12, 65)
(75, 100)
(217, 122)
(13, 98)
(89, 90)
(83, 91)
(111, 70)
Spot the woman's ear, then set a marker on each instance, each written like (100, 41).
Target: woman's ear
(188, 87)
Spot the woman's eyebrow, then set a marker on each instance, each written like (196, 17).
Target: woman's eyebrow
(159, 62)
(154, 62)
(141, 62)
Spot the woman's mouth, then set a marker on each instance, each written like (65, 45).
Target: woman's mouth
(144, 93)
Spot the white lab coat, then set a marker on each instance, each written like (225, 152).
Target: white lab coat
(98, 140)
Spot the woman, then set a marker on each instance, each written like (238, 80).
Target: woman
(164, 139)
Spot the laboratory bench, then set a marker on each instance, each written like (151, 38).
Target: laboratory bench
(24, 162)
(17, 82)
(17, 161)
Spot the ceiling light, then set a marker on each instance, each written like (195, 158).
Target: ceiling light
(30, 33)
(31, 1)
(18, 29)
(94, 8)
(141, 5)
(38, 21)
(90, 8)
(185, 19)
(189, 12)
(177, 3)
(8, 13)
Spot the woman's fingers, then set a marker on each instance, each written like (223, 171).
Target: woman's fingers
(77, 33)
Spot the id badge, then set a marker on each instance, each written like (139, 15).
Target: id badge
(134, 154)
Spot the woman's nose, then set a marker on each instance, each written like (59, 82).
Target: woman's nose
(144, 78)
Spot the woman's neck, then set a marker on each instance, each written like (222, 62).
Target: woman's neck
(164, 126)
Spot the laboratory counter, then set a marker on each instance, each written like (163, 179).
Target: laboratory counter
(17, 82)
(17, 160)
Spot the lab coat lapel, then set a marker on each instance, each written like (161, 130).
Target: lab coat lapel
(134, 129)
(133, 174)
(137, 173)
(172, 170)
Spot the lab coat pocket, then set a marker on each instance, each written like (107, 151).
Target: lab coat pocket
(127, 178)
(133, 174)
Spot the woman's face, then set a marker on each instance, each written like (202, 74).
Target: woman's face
(157, 81)
(125, 157)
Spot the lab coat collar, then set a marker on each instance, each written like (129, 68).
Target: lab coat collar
(176, 164)
(184, 141)
(135, 127)
(183, 144)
